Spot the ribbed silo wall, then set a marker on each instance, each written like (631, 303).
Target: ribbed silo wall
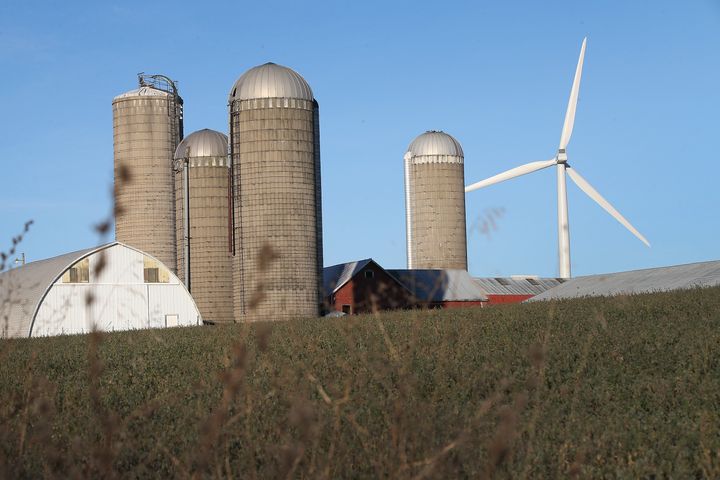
(437, 209)
(145, 135)
(211, 261)
(276, 171)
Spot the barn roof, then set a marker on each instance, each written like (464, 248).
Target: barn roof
(517, 285)
(23, 288)
(705, 274)
(336, 276)
(440, 285)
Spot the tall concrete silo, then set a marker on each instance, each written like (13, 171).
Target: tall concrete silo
(274, 142)
(202, 178)
(147, 128)
(435, 202)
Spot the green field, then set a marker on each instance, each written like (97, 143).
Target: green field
(596, 388)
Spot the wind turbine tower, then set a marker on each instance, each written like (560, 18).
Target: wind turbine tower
(563, 167)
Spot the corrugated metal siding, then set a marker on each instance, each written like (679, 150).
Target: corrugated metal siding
(21, 290)
(516, 286)
(122, 300)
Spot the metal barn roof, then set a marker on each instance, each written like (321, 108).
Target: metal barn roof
(23, 288)
(336, 276)
(705, 274)
(270, 81)
(435, 142)
(517, 286)
(440, 285)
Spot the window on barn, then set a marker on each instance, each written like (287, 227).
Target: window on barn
(503, 281)
(154, 272)
(532, 281)
(78, 273)
(369, 274)
(347, 309)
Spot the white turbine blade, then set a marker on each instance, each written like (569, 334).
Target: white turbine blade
(572, 103)
(512, 173)
(592, 193)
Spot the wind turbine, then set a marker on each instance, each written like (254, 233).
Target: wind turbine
(560, 161)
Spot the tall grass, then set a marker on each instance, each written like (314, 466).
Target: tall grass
(626, 387)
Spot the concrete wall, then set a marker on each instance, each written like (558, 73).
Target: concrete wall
(145, 138)
(276, 170)
(437, 202)
(211, 261)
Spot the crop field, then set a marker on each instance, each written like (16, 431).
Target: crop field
(594, 388)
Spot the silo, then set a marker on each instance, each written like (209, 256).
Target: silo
(147, 127)
(277, 232)
(435, 202)
(201, 173)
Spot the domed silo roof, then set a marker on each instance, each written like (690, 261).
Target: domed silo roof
(271, 81)
(435, 142)
(143, 92)
(203, 143)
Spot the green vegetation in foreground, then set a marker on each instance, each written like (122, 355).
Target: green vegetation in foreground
(620, 388)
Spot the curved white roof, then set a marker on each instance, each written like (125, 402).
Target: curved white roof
(143, 92)
(435, 142)
(23, 289)
(203, 143)
(270, 81)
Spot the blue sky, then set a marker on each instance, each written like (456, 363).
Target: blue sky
(496, 75)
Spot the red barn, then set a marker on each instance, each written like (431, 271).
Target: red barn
(363, 287)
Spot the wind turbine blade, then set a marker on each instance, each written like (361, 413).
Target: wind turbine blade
(592, 193)
(512, 173)
(572, 103)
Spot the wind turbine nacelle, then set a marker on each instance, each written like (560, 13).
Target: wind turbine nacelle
(561, 156)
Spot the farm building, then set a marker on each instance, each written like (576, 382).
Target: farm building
(451, 288)
(110, 287)
(664, 279)
(516, 288)
(362, 287)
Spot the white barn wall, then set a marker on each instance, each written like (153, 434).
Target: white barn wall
(122, 301)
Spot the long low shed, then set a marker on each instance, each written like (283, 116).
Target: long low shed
(110, 287)
(663, 279)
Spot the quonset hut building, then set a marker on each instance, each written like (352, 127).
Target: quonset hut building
(111, 287)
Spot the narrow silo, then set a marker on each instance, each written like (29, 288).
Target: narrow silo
(147, 127)
(201, 177)
(277, 232)
(435, 202)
